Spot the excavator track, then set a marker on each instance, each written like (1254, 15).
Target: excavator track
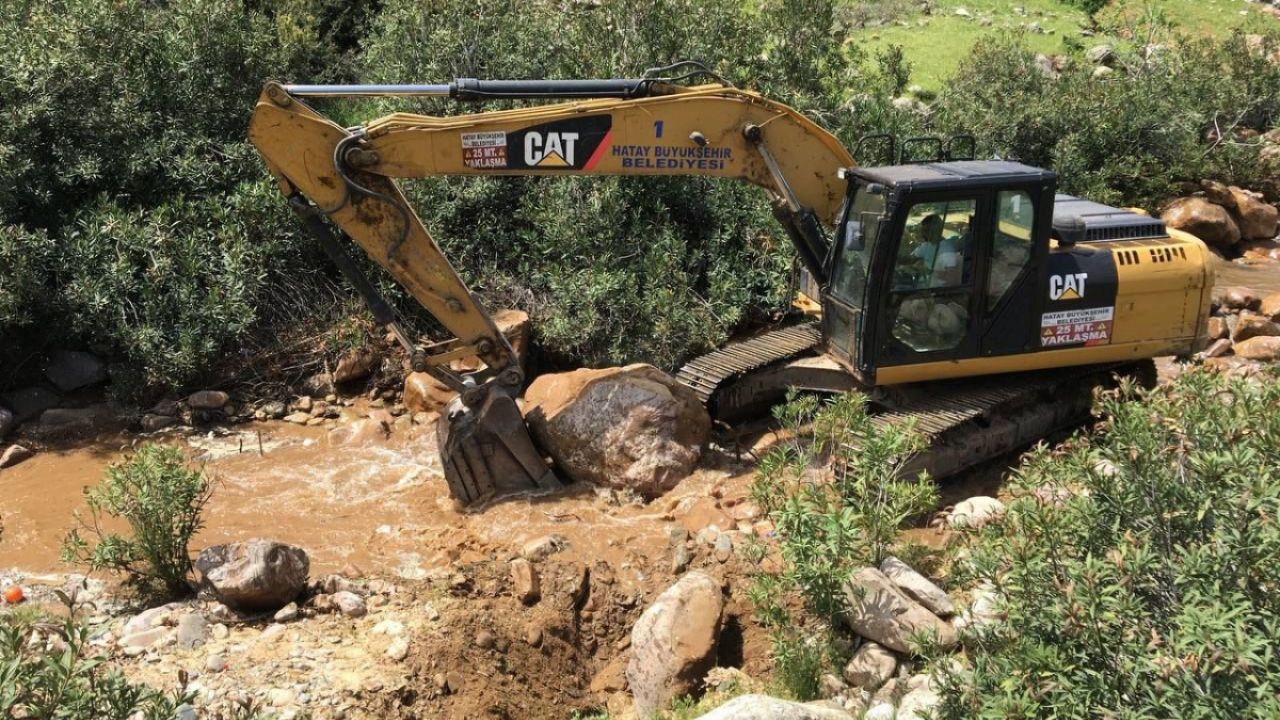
(972, 420)
(966, 421)
(708, 374)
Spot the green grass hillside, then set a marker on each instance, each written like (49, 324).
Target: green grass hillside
(935, 42)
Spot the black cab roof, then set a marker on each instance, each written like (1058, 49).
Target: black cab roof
(955, 174)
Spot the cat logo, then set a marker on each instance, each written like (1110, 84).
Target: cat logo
(550, 149)
(1067, 287)
(564, 145)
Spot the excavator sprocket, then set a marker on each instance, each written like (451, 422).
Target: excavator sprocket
(487, 452)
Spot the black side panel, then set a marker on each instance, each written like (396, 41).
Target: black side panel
(1014, 327)
(1079, 309)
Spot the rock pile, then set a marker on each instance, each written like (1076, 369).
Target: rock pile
(1243, 326)
(1231, 220)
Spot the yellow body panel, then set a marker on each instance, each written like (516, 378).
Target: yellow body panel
(698, 131)
(1161, 308)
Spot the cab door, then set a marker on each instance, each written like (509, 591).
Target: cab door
(932, 303)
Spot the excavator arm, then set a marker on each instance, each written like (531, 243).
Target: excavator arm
(643, 126)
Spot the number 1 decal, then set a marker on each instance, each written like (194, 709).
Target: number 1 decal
(657, 128)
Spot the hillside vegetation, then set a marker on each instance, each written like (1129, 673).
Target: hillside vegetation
(137, 222)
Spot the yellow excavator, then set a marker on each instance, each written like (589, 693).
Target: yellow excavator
(964, 295)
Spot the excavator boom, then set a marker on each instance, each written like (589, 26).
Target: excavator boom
(645, 126)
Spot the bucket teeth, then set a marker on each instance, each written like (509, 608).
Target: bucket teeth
(487, 452)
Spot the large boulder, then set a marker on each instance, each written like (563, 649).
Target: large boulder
(1265, 348)
(72, 369)
(673, 644)
(424, 393)
(870, 667)
(763, 707)
(254, 575)
(208, 400)
(630, 427)
(355, 365)
(1207, 221)
(918, 586)
(1248, 326)
(1258, 220)
(879, 611)
(1270, 307)
(27, 403)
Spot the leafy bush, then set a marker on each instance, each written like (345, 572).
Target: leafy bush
(129, 213)
(161, 499)
(612, 269)
(1138, 567)
(1089, 6)
(46, 671)
(837, 494)
(1132, 136)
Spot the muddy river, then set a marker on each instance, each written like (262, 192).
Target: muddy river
(381, 505)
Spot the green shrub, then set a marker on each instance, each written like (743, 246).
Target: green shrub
(66, 681)
(612, 269)
(1132, 136)
(1153, 589)
(837, 493)
(161, 499)
(1089, 6)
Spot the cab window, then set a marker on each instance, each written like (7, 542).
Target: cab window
(933, 275)
(1011, 250)
(936, 249)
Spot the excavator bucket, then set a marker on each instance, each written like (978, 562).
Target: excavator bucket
(487, 451)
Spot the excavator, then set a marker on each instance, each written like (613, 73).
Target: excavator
(964, 296)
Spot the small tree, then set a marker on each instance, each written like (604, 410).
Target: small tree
(162, 500)
(838, 492)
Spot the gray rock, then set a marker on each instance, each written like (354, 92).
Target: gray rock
(983, 611)
(256, 574)
(879, 611)
(208, 400)
(8, 421)
(870, 667)
(191, 629)
(349, 603)
(918, 586)
(673, 644)
(144, 638)
(724, 547)
(167, 408)
(185, 712)
(543, 547)
(524, 577)
(68, 417)
(976, 512)
(155, 423)
(763, 707)
(287, 613)
(29, 402)
(13, 455)
(1099, 54)
(72, 369)
(879, 711)
(274, 409)
(398, 650)
(215, 663)
(919, 703)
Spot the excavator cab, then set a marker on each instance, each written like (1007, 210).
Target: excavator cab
(937, 263)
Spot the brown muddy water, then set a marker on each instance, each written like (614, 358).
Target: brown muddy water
(382, 505)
